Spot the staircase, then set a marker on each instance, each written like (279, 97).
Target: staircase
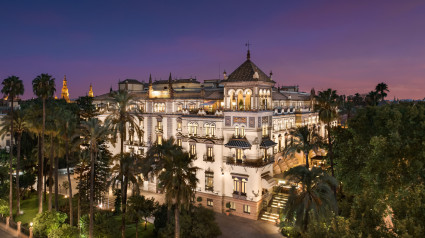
(275, 207)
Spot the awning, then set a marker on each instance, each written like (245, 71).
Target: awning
(238, 143)
(208, 103)
(267, 143)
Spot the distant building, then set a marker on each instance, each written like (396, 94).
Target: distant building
(65, 93)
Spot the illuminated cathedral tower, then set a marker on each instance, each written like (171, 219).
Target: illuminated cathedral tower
(91, 92)
(65, 94)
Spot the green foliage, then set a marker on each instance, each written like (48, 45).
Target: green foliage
(140, 208)
(4, 207)
(86, 107)
(117, 202)
(65, 231)
(196, 222)
(105, 225)
(46, 222)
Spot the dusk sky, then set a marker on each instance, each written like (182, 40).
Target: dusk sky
(347, 45)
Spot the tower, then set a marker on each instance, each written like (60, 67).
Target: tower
(150, 86)
(64, 93)
(91, 92)
(170, 87)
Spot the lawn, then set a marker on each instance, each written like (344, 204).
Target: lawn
(130, 229)
(30, 208)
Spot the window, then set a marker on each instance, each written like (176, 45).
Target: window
(192, 107)
(158, 126)
(265, 131)
(209, 181)
(159, 140)
(179, 107)
(179, 142)
(192, 128)
(232, 206)
(159, 107)
(239, 154)
(243, 187)
(236, 131)
(192, 149)
(210, 202)
(236, 186)
(210, 129)
(209, 152)
(179, 125)
(247, 209)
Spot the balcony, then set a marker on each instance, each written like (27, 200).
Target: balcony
(158, 129)
(209, 158)
(239, 195)
(254, 163)
(209, 188)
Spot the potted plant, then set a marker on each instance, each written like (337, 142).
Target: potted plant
(228, 208)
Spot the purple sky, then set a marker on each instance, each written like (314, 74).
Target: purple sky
(348, 45)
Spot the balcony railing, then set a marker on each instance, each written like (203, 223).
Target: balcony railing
(209, 158)
(158, 129)
(239, 195)
(249, 162)
(209, 188)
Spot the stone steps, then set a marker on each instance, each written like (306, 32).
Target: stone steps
(276, 205)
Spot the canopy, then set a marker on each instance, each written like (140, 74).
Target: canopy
(208, 103)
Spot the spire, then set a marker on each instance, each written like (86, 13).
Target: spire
(224, 75)
(91, 92)
(271, 74)
(150, 79)
(248, 55)
(65, 93)
(169, 78)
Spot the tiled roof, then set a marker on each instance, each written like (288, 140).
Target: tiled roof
(278, 96)
(267, 143)
(216, 95)
(246, 71)
(238, 143)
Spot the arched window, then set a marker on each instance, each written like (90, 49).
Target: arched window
(192, 128)
(209, 129)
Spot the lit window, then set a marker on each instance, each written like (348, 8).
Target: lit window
(179, 142)
(193, 149)
(243, 186)
(193, 128)
(247, 209)
(179, 107)
(159, 139)
(239, 153)
(209, 181)
(242, 131)
(236, 186)
(209, 152)
(179, 125)
(232, 206)
(210, 202)
(265, 131)
(236, 131)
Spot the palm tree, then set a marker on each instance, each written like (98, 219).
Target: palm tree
(327, 106)
(52, 132)
(20, 125)
(120, 118)
(67, 124)
(382, 89)
(313, 199)
(304, 140)
(93, 133)
(372, 98)
(178, 179)
(128, 167)
(155, 156)
(12, 87)
(44, 87)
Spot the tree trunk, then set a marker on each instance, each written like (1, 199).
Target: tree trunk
(11, 162)
(124, 205)
(177, 222)
(306, 159)
(331, 157)
(146, 223)
(50, 174)
(56, 183)
(39, 176)
(71, 216)
(41, 160)
(137, 228)
(18, 158)
(91, 191)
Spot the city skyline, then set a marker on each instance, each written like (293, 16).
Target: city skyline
(348, 46)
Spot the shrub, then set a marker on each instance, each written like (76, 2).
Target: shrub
(46, 222)
(65, 231)
(4, 207)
